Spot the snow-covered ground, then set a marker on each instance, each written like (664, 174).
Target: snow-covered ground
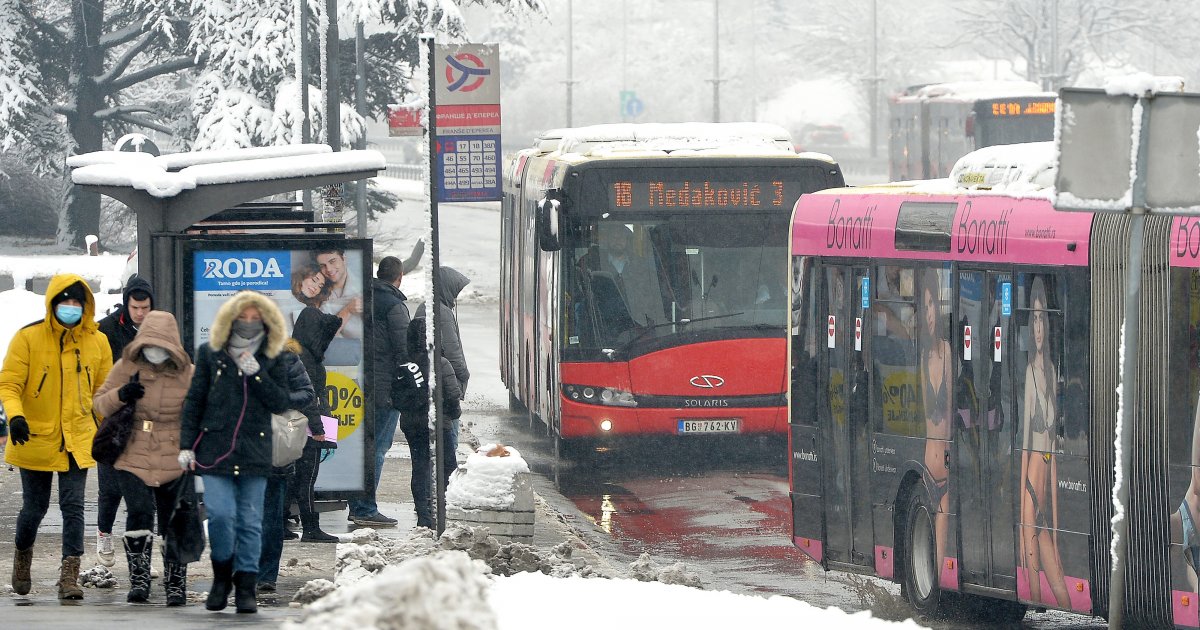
(527, 601)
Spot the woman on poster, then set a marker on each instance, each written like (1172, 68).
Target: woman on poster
(1039, 467)
(937, 388)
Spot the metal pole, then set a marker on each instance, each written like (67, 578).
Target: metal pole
(570, 59)
(333, 110)
(1053, 45)
(1129, 358)
(716, 61)
(874, 91)
(306, 125)
(360, 105)
(435, 440)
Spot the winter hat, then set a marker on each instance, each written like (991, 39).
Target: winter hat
(74, 292)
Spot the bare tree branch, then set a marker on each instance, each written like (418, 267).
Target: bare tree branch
(144, 122)
(117, 112)
(126, 58)
(121, 36)
(166, 67)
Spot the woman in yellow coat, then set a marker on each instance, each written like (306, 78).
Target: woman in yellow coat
(53, 368)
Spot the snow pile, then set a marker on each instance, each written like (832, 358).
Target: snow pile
(97, 577)
(1013, 168)
(644, 570)
(531, 601)
(447, 590)
(369, 553)
(486, 482)
(1142, 84)
(974, 90)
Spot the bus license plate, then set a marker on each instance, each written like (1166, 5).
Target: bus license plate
(725, 425)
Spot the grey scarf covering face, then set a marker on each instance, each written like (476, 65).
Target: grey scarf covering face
(238, 344)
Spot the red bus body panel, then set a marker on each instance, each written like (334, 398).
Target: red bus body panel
(746, 367)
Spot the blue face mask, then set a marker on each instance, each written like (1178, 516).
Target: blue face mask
(67, 314)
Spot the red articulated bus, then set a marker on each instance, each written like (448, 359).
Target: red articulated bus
(954, 363)
(644, 277)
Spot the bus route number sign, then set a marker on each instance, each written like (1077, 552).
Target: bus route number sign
(697, 195)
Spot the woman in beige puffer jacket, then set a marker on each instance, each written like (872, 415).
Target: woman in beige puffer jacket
(148, 470)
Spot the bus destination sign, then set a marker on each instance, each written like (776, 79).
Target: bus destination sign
(1016, 108)
(697, 195)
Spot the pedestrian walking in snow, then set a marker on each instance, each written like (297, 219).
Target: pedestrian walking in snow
(52, 370)
(147, 471)
(120, 327)
(239, 382)
(302, 398)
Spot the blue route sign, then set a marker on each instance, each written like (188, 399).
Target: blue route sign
(468, 167)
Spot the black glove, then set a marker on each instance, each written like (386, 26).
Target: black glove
(452, 409)
(18, 430)
(131, 391)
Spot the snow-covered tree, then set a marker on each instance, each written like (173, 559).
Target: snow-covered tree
(1108, 31)
(76, 74)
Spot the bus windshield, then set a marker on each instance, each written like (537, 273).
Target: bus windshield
(634, 280)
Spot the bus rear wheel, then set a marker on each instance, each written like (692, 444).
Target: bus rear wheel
(920, 580)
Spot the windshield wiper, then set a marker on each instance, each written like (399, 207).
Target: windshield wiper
(683, 322)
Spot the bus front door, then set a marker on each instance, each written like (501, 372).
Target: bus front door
(849, 533)
(985, 425)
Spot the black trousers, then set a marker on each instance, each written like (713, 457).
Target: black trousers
(35, 500)
(109, 499)
(142, 502)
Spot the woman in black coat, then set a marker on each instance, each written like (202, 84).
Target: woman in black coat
(238, 383)
(314, 330)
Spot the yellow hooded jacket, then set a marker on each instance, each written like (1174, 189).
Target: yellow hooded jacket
(50, 375)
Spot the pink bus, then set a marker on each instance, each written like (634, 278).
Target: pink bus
(954, 360)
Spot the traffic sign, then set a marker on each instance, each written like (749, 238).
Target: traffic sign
(467, 97)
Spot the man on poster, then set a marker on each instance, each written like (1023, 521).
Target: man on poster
(345, 291)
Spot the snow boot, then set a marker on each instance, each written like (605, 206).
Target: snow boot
(245, 582)
(176, 583)
(218, 595)
(68, 579)
(312, 529)
(21, 580)
(139, 546)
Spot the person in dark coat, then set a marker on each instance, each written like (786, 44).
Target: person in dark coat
(389, 334)
(303, 398)
(239, 381)
(313, 332)
(452, 364)
(120, 327)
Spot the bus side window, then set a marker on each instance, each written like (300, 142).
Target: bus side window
(805, 357)
(895, 403)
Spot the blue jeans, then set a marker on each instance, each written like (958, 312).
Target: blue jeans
(385, 432)
(448, 448)
(235, 514)
(272, 529)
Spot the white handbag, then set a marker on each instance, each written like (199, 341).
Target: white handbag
(288, 435)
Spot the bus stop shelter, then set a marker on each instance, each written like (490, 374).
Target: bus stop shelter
(199, 241)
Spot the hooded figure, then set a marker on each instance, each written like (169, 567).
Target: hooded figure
(450, 284)
(52, 370)
(155, 372)
(240, 380)
(121, 325)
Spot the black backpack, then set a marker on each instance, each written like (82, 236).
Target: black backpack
(410, 389)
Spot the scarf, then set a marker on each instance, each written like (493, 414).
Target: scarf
(238, 344)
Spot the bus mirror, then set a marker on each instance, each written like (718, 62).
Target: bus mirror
(548, 221)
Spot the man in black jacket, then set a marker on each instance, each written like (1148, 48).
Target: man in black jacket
(390, 338)
(119, 327)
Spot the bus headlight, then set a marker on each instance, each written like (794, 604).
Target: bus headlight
(606, 425)
(607, 396)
